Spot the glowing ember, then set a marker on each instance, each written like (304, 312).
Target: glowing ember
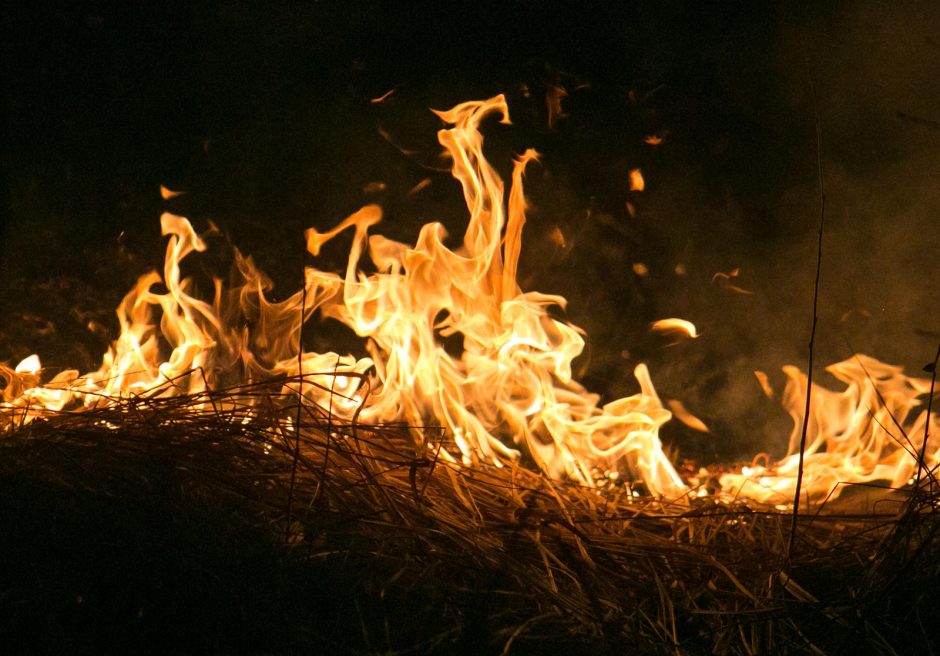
(167, 193)
(723, 280)
(675, 327)
(637, 183)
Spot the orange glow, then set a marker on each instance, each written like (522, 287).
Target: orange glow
(167, 194)
(653, 140)
(557, 237)
(636, 180)
(679, 412)
(385, 96)
(676, 327)
(421, 186)
(723, 280)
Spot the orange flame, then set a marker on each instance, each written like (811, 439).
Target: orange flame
(511, 387)
(869, 432)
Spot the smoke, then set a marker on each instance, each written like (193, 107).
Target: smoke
(872, 67)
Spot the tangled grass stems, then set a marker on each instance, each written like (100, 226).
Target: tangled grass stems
(392, 548)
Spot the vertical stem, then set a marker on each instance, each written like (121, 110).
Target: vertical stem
(300, 407)
(812, 335)
(923, 447)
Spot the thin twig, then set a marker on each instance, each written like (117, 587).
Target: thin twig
(923, 448)
(812, 335)
(300, 407)
(329, 438)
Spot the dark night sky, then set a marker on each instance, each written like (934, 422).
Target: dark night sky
(262, 115)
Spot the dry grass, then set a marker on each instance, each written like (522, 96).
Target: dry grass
(172, 517)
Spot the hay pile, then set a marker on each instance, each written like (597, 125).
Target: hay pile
(201, 524)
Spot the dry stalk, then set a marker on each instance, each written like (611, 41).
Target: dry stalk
(544, 560)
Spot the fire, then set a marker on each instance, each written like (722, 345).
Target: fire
(509, 391)
(677, 327)
(29, 365)
(871, 431)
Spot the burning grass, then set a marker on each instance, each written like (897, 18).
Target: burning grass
(208, 522)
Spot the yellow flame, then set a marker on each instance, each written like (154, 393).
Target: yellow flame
(29, 365)
(871, 431)
(510, 388)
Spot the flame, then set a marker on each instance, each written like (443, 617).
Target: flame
(29, 365)
(421, 186)
(764, 382)
(871, 431)
(374, 187)
(680, 412)
(509, 390)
